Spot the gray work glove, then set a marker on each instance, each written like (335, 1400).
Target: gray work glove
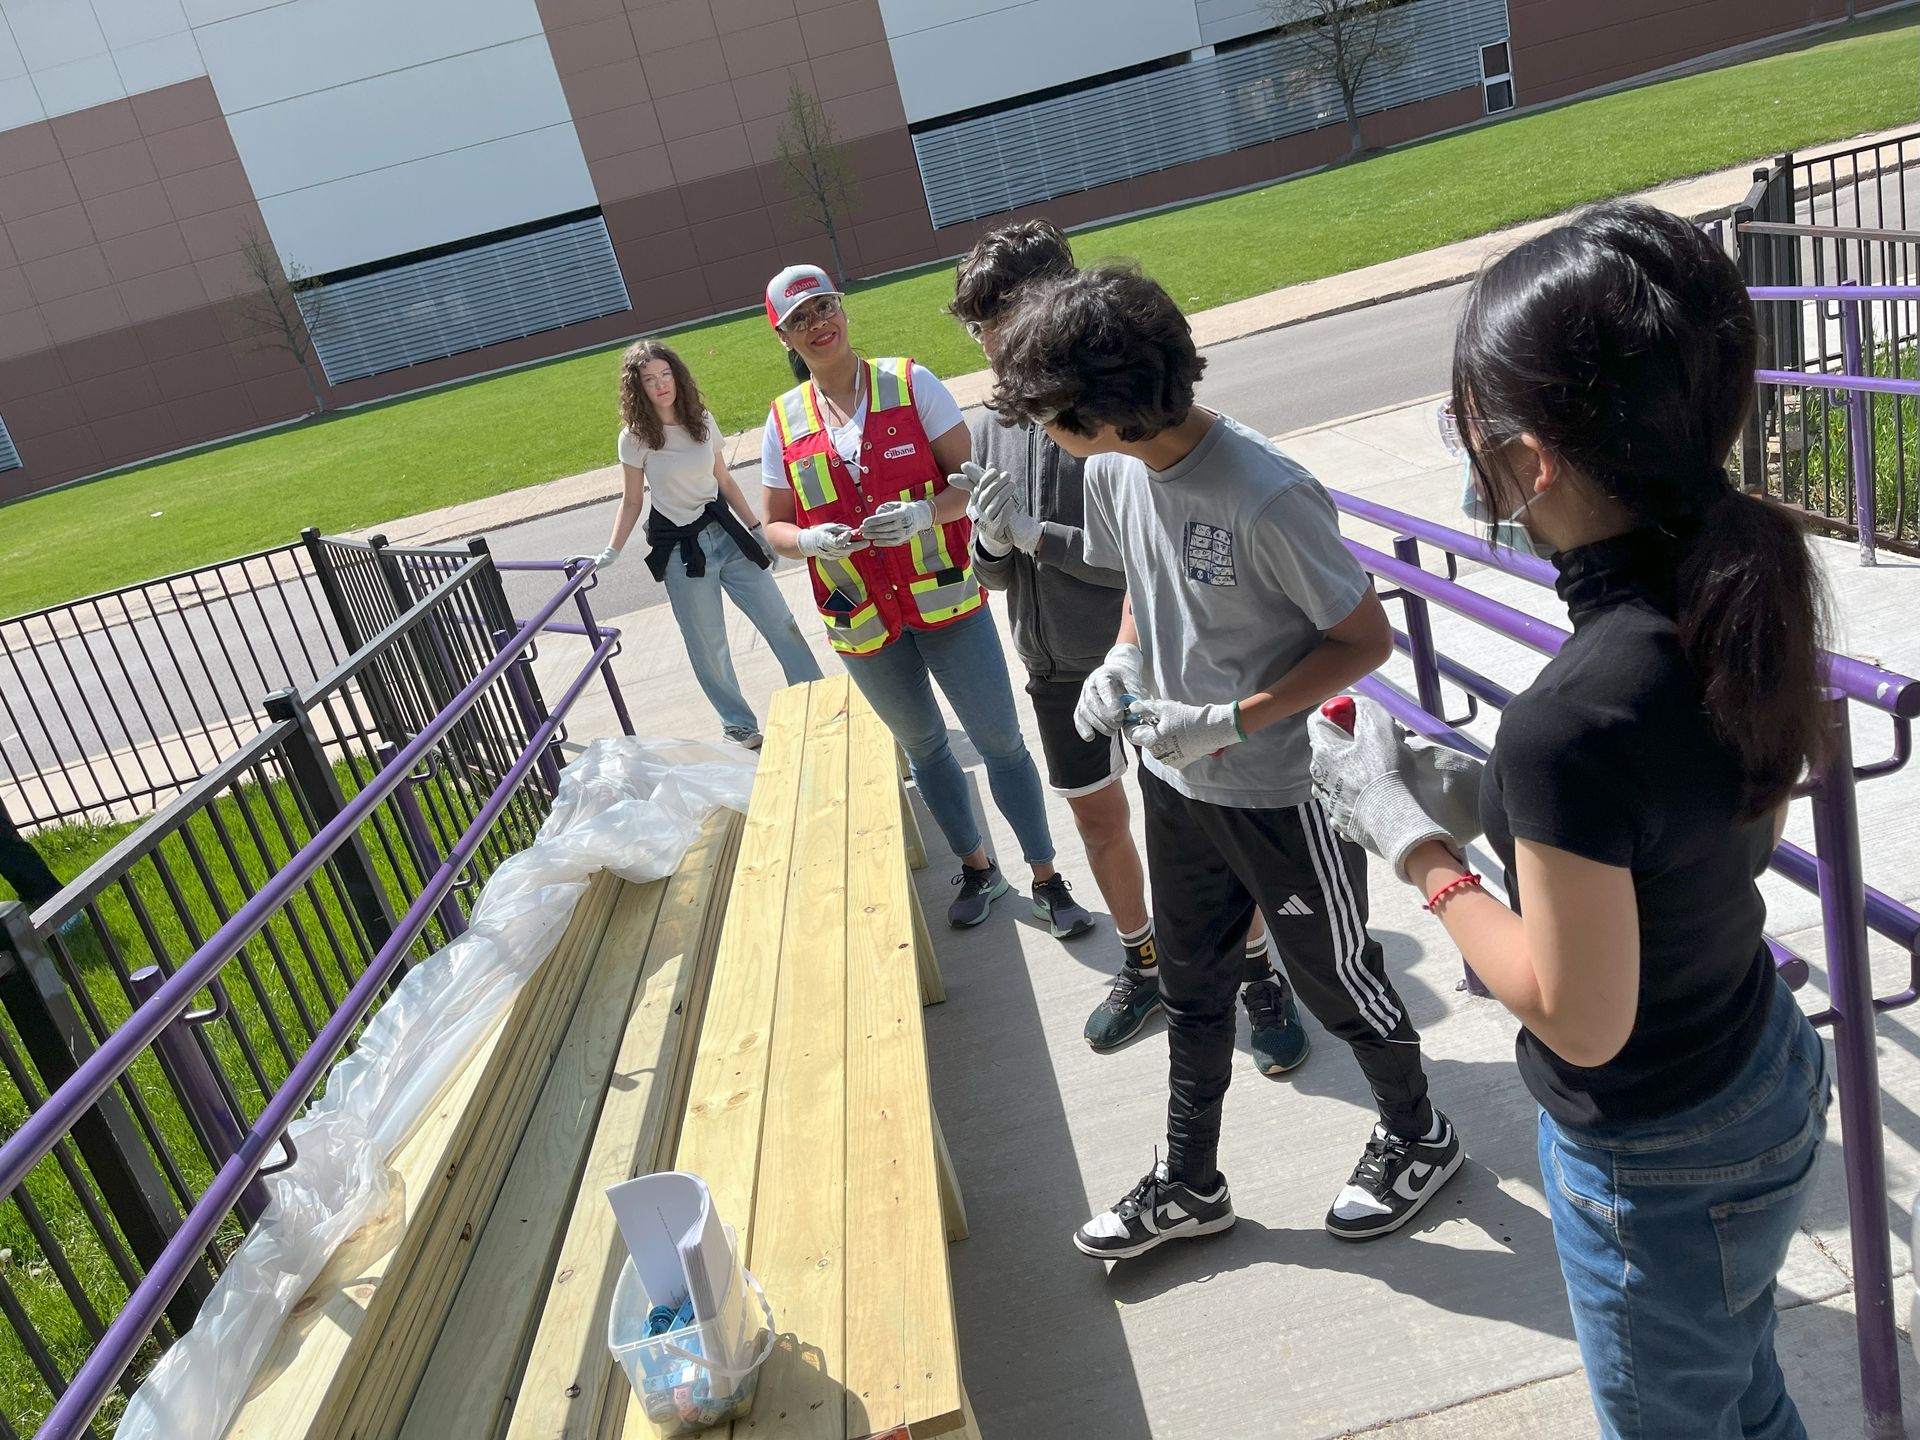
(984, 483)
(1178, 734)
(1004, 512)
(831, 541)
(1106, 693)
(1390, 793)
(897, 522)
(604, 560)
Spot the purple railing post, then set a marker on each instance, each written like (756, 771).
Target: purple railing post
(426, 854)
(529, 710)
(1426, 680)
(594, 636)
(1860, 457)
(1850, 981)
(220, 1131)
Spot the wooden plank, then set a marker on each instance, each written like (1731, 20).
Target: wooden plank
(332, 1338)
(910, 826)
(902, 1363)
(563, 1385)
(474, 1358)
(933, 986)
(427, 1289)
(797, 1242)
(952, 1207)
(726, 1096)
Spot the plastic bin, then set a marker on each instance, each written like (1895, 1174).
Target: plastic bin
(690, 1379)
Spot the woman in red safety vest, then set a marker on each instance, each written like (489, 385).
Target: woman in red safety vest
(855, 460)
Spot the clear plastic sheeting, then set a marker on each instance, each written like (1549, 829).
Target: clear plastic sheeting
(632, 806)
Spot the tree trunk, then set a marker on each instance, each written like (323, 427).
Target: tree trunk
(319, 397)
(1354, 143)
(839, 264)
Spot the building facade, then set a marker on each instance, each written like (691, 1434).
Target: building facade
(473, 184)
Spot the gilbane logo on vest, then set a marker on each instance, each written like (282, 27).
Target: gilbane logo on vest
(899, 452)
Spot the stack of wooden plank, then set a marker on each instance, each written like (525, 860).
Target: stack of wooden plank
(420, 1323)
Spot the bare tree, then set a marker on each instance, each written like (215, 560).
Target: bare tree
(815, 171)
(1349, 42)
(274, 311)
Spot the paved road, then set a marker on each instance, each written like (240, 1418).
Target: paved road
(1284, 380)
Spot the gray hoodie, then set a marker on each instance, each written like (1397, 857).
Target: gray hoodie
(1065, 612)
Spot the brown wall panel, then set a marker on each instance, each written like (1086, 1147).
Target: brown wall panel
(1561, 47)
(114, 221)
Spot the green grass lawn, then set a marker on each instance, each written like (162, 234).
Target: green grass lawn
(294, 984)
(489, 436)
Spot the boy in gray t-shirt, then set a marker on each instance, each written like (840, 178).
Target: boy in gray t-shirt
(1244, 613)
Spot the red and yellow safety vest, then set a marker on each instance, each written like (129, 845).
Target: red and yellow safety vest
(867, 598)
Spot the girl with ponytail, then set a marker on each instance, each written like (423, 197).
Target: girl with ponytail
(1601, 374)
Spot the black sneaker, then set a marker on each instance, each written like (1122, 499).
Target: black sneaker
(1134, 996)
(1394, 1178)
(1279, 1040)
(742, 735)
(978, 890)
(1154, 1210)
(1053, 902)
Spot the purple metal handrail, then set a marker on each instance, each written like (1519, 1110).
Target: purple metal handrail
(1849, 907)
(49, 1124)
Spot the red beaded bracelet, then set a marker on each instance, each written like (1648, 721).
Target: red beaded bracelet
(1445, 890)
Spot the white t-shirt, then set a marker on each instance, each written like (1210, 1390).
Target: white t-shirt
(680, 472)
(939, 412)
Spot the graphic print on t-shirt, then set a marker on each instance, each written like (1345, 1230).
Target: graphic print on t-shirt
(1209, 553)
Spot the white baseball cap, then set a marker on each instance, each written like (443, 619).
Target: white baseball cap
(792, 288)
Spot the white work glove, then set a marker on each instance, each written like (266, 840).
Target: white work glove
(897, 522)
(1178, 734)
(983, 483)
(970, 475)
(1004, 511)
(1391, 794)
(604, 560)
(1106, 693)
(832, 541)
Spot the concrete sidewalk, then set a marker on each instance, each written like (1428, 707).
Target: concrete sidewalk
(1454, 1330)
(1698, 198)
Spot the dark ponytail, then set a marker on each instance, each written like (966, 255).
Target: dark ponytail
(1625, 343)
(798, 366)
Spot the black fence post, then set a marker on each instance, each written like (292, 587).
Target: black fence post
(109, 1141)
(427, 663)
(330, 587)
(319, 788)
(500, 614)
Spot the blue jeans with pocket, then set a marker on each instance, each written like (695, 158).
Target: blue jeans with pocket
(966, 658)
(703, 623)
(1671, 1234)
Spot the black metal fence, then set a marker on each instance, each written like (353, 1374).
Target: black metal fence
(95, 1213)
(113, 703)
(1842, 219)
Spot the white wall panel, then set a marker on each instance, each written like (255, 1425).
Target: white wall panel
(952, 55)
(19, 103)
(391, 119)
(341, 41)
(12, 62)
(430, 201)
(209, 12)
(133, 22)
(153, 63)
(54, 32)
(78, 85)
(1222, 20)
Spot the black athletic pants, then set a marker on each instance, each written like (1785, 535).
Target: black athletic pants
(1210, 866)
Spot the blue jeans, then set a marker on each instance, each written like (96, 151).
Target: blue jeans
(703, 624)
(1671, 1234)
(965, 657)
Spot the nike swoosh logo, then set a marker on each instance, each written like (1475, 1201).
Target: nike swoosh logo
(1174, 1212)
(1412, 1182)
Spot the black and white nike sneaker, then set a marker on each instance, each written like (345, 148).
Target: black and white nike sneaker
(1154, 1210)
(1394, 1178)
